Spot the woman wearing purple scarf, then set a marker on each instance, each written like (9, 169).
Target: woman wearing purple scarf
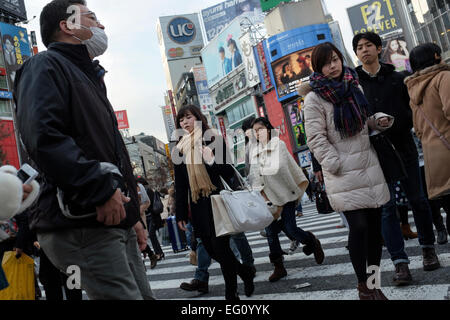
(338, 122)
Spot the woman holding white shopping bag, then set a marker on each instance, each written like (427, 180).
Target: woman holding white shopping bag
(197, 177)
(274, 172)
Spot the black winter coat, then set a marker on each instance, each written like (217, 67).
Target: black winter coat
(387, 93)
(202, 217)
(68, 127)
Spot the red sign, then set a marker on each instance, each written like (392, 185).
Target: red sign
(277, 118)
(3, 72)
(122, 119)
(222, 127)
(9, 143)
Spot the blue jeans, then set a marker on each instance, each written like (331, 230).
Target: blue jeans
(421, 208)
(242, 250)
(189, 232)
(203, 262)
(289, 226)
(299, 207)
(390, 228)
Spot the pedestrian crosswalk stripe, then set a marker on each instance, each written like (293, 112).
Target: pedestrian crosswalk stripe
(418, 293)
(342, 251)
(318, 271)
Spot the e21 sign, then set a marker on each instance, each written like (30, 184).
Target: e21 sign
(377, 16)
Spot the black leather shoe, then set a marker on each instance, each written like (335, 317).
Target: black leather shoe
(195, 285)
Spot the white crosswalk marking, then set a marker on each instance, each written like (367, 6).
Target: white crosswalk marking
(333, 280)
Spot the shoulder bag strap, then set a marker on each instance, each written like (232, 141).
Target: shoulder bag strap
(435, 130)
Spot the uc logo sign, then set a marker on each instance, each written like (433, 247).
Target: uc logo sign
(181, 30)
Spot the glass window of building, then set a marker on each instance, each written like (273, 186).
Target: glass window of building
(433, 8)
(3, 83)
(5, 110)
(433, 33)
(441, 5)
(442, 35)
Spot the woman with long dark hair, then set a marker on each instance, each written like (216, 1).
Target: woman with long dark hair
(274, 173)
(337, 117)
(197, 177)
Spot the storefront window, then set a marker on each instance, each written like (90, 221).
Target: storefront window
(433, 8)
(420, 36)
(426, 34)
(5, 110)
(446, 21)
(433, 33)
(442, 34)
(420, 10)
(441, 5)
(3, 83)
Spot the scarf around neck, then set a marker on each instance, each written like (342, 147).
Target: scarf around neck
(191, 145)
(351, 108)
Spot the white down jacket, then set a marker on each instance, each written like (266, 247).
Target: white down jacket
(352, 173)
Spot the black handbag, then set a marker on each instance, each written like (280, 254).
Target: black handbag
(390, 161)
(322, 203)
(157, 206)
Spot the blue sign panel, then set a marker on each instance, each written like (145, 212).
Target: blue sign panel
(181, 30)
(289, 57)
(6, 95)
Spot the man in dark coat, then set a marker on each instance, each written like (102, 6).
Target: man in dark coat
(87, 218)
(386, 92)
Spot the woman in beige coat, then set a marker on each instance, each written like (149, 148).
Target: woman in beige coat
(274, 173)
(429, 90)
(337, 119)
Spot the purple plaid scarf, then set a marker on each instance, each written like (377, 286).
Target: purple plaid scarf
(351, 108)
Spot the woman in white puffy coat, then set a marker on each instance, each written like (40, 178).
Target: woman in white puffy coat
(337, 121)
(274, 173)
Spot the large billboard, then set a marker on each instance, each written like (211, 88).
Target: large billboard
(223, 54)
(378, 16)
(395, 52)
(16, 48)
(168, 121)
(15, 8)
(217, 17)
(204, 98)
(248, 55)
(261, 62)
(180, 36)
(289, 57)
(290, 71)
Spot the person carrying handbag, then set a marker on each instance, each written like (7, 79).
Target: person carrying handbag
(274, 173)
(198, 169)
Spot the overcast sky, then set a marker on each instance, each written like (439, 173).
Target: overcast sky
(135, 78)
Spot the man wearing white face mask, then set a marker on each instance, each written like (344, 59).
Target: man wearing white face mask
(88, 212)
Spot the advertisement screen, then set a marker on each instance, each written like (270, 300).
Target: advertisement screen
(223, 54)
(266, 5)
(216, 18)
(16, 48)
(395, 52)
(378, 16)
(290, 71)
(293, 113)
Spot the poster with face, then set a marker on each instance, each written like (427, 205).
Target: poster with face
(291, 70)
(16, 48)
(395, 52)
(295, 117)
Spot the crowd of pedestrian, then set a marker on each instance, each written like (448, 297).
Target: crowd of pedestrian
(93, 213)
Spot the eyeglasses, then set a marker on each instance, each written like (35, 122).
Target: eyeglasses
(92, 16)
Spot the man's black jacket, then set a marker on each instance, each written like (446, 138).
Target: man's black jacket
(387, 93)
(68, 128)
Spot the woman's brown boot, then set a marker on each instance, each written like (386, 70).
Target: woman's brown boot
(279, 272)
(407, 232)
(366, 293)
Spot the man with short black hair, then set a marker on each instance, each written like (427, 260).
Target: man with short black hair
(386, 92)
(88, 212)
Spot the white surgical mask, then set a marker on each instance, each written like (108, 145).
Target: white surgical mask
(97, 44)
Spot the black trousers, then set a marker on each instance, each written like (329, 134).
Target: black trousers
(364, 240)
(219, 249)
(54, 280)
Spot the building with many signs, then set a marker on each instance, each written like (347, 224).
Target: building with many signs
(15, 49)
